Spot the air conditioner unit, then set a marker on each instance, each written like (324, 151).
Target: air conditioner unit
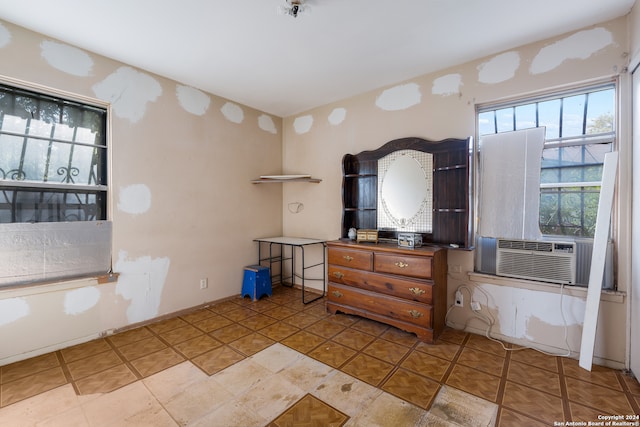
(545, 261)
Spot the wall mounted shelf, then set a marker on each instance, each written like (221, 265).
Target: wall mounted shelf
(272, 179)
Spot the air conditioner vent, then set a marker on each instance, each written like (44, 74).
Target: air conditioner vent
(526, 245)
(537, 260)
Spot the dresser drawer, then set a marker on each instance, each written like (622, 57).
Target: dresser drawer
(395, 308)
(390, 285)
(405, 265)
(362, 260)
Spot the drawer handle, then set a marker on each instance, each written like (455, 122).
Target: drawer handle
(415, 314)
(337, 294)
(338, 274)
(348, 258)
(401, 264)
(417, 291)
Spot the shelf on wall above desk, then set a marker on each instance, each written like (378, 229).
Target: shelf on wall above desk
(271, 179)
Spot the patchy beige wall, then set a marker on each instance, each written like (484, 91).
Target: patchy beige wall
(182, 204)
(634, 32)
(442, 105)
(634, 304)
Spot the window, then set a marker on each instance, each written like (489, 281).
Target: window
(580, 130)
(53, 188)
(53, 159)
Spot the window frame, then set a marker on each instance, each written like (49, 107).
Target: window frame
(96, 262)
(106, 160)
(560, 142)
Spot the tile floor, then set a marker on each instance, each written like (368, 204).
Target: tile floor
(278, 362)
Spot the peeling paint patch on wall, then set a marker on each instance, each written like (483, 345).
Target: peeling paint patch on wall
(547, 307)
(399, 97)
(135, 199)
(128, 91)
(337, 116)
(447, 85)
(232, 112)
(266, 123)
(518, 308)
(580, 45)
(193, 101)
(5, 36)
(65, 58)
(303, 124)
(80, 300)
(141, 281)
(12, 309)
(500, 68)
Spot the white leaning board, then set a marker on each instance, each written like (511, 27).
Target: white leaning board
(596, 274)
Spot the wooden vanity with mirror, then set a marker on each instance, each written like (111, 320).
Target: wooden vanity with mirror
(407, 185)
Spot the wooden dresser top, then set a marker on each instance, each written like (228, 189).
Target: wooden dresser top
(385, 247)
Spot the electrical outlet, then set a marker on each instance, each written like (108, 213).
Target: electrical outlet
(204, 283)
(459, 299)
(475, 306)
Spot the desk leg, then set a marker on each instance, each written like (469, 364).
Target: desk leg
(271, 263)
(302, 275)
(282, 258)
(303, 278)
(293, 266)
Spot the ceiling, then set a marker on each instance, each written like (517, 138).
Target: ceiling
(245, 51)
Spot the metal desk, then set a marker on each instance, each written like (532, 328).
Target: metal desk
(294, 244)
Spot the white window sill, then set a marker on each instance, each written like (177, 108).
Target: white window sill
(576, 291)
(56, 286)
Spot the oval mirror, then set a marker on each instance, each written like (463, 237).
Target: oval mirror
(405, 192)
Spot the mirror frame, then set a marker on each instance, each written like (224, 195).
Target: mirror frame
(405, 191)
(452, 190)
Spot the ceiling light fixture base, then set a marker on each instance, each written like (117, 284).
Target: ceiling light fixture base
(294, 8)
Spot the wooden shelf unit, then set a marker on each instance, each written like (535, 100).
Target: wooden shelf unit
(452, 190)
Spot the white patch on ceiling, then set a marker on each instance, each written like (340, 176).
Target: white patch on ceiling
(193, 101)
(580, 45)
(5, 36)
(65, 58)
(233, 112)
(303, 124)
(135, 199)
(128, 91)
(447, 85)
(265, 122)
(80, 300)
(141, 281)
(337, 116)
(500, 68)
(399, 97)
(12, 309)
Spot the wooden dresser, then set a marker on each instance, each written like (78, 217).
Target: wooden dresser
(402, 287)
